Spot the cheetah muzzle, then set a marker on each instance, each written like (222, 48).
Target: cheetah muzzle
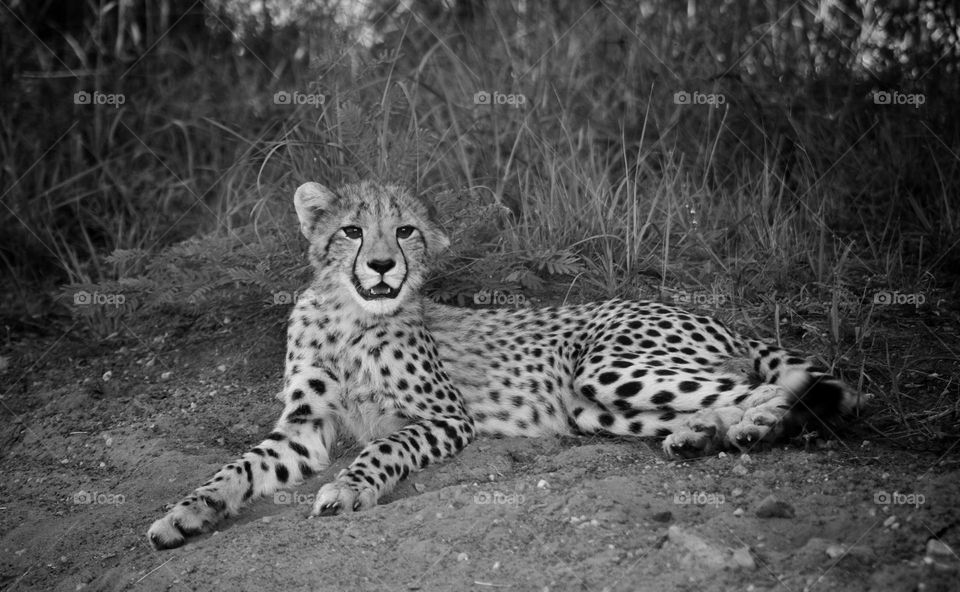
(369, 358)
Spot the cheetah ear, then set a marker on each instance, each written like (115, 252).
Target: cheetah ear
(311, 201)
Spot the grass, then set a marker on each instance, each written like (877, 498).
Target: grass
(784, 210)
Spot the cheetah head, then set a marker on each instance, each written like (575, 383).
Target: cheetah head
(370, 244)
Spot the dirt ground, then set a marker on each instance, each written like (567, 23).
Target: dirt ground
(96, 441)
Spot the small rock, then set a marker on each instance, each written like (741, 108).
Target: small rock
(107, 376)
(738, 512)
(222, 368)
(462, 557)
(662, 516)
(859, 552)
(496, 565)
(771, 507)
(833, 551)
(420, 487)
(746, 458)
(166, 375)
(743, 558)
(542, 484)
(265, 520)
(739, 469)
(890, 522)
(736, 492)
(700, 552)
(938, 547)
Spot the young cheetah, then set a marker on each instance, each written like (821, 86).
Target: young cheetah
(370, 358)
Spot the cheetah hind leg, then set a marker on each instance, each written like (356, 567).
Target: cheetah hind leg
(711, 430)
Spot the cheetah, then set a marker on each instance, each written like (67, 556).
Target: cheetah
(369, 357)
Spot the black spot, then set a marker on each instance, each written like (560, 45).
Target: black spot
(629, 389)
(688, 386)
(386, 449)
(709, 400)
(589, 392)
(668, 416)
(402, 384)
(275, 436)
(301, 410)
(298, 448)
(636, 427)
(297, 395)
(305, 470)
(282, 473)
(605, 419)
(662, 398)
(608, 377)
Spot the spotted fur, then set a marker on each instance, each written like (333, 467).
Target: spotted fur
(416, 381)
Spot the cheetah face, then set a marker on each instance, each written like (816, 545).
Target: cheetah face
(369, 244)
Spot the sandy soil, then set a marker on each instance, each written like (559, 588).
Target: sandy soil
(95, 443)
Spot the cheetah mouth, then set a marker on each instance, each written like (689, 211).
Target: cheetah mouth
(381, 291)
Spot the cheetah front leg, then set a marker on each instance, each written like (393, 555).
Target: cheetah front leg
(384, 462)
(297, 448)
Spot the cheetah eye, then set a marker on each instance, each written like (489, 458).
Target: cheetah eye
(405, 231)
(352, 231)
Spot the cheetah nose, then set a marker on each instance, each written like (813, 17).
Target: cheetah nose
(381, 266)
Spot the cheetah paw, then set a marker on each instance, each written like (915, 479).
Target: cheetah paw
(759, 424)
(193, 516)
(702, 433)
(343, 495)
